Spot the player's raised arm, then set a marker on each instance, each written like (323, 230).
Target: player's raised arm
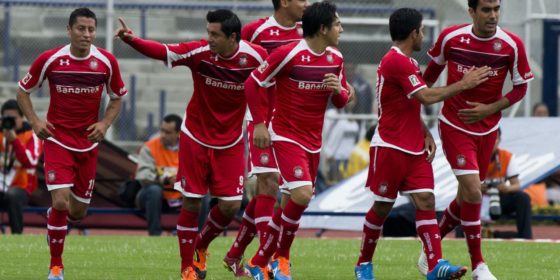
(149, 48)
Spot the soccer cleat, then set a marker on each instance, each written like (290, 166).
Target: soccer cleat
(189, 274)
(423, 263)
(272, 268)
(444, 271)
(482, 272)
(200, 262)
(235, 265)
(364, 271)
(256, 272)
(283, 270)
(56, 273)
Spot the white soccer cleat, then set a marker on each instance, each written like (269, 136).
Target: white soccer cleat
(482, 272)
(423, 263)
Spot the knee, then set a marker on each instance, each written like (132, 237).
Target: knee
(302, 197)
(192, 204)
(154, 191)
(382, 209)
(425, 201)
(229, 208)
(61, 204)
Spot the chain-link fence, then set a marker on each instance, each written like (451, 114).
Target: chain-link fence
(30, 27)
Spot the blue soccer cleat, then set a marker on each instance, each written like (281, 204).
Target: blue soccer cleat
(444, 271)
(257, 273)
(56, 273)
(364, 271)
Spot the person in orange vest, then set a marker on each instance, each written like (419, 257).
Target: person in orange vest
(158, 161)
(503, 180)
(20, 149)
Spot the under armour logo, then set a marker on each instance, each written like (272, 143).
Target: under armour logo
(370, 241)
(239, 190)
(274, 32)
(261, 253)
(59, 241)
(305, 58)
(64, 62)
(465, 40)
(88, 193)
(185, 241)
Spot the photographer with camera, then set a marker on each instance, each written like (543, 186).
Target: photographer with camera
(20, 149)
(505, 195)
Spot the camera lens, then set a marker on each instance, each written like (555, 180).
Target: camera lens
(7, 122)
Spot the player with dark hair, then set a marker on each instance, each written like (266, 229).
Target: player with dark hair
(402, 147)
(307, 74)
(282, 28)
(77, 74)
(211, 153)
(468, 121)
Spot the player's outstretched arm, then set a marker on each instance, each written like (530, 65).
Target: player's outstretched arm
(471, 79)
(255, 93)
(43, 129)
(149, 48)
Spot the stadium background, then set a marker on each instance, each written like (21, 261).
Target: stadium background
(30, 27)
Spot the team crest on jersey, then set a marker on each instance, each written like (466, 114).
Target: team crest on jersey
(497, 45)
(265, 158)
(243, 60)
(263, 67)
(298, 172)
(330, 58)
(51, 176)
(382, 188)
(27, 78)
(413, 80)
(93, 64)
(461, 161)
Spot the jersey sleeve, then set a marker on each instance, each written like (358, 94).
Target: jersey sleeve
(437, 52)
(520, 69)
(36, 74)
(408, 76)
(340, 100)
(276, 62)
(183, 53)
(115, 85)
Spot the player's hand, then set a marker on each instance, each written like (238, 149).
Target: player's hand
(430, 146)
(124, 32)
(261, 137)
(351, 93)
(475, 76)
(43, 129)
(98, 131)
(478, 112)
(332, 82)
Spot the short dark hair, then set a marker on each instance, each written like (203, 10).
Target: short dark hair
(81, 12)
(402, 22)
(473, 4)
(320, 13)
(11, 104)
(229, 21)
(276, 4)
(174, 119)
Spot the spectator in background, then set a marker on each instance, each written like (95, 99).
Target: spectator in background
(359, 157)
(540, 110)
(158, 161)
(363, 102)
(19, 152)
(341, 139)
(503, 176)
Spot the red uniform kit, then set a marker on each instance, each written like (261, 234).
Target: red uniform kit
(301, 101)
(398, 159)
(468, 146)
(267, 33)
(76, 86)
(212, 126)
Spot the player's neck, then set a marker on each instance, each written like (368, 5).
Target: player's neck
(284, 20)
(80, 53)
(230, 51)
(481, 34)
(405, 47)
(316, 44)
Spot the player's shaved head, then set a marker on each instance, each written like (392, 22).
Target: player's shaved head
(81, 12)
(402, 22)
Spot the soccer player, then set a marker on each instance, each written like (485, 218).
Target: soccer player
(282, 28)
(211, 153)
(307, 73)
(468, 121)
(77, 74)
(402, 148)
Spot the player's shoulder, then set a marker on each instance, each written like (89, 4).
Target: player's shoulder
(255, 23)
(104, 52)
(289, 47)
(49, 53)
(455, 29)
(396, 60)
(335, 51)
(508, 34)
(258, 48)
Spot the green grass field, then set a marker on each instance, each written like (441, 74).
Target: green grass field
(121, 257)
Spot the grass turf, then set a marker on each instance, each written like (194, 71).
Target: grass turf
(121, 257)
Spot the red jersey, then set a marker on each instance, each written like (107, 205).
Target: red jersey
(301, 95)
(214, 115)
(460, 48)
(269, 34)
(400, 125)
(75, 86)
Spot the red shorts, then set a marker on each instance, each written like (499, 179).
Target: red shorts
(297, 167)
(203, 169)
(467, 153)
(69, 169)
(260, 160)
(391, 171)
